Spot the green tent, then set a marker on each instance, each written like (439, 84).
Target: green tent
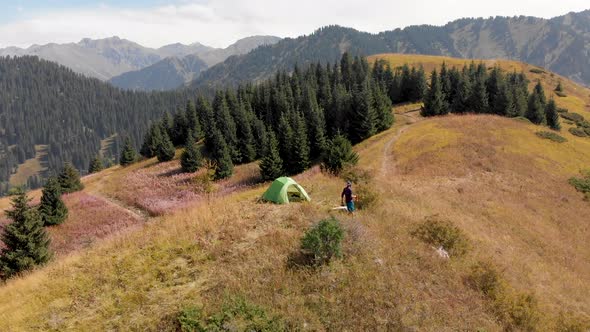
(284, 190)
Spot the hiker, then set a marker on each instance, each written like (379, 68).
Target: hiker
(347, 195)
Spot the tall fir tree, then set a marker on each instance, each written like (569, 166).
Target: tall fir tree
(151, 141)
(52, 209)
(364, 117)
(271, 165)
(69, 179)
(26, 241)
(478, 99)
(179, 129)
(193, 121)
(300, 149)
(435, 101)
(245, 136)
(165, 151)
(226, 124)
(128, 155)
(191, 158)
(221, 156)
(96, 165)
(383, 107)
(315, 117)
(552, 116)
(536, 106)
(286, 139)
(461, 99)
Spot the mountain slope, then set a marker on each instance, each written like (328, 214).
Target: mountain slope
(561, 44)
(167, 74)
(505, 188)
(171, 73)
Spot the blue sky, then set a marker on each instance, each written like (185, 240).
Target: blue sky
(219, 23)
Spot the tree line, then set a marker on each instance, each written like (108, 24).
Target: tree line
(288, 121)
(475, 89)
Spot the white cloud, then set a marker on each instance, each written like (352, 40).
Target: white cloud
(221, 22)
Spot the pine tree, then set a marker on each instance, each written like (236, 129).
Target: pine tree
(364, 117)
(271, 165)
(193, 122)
(151, 141)
(226, 124)
(179, 129)
(245, 137)
(461, 100)
(541, 93)
(418, 84)
(26, 241)
(96, 165)
(165, 151)
(478, 99)
(559, 87)
(339, 154)
(535, 111)
(221, 156)
(382, 106)
(128, 155)
(52, 209)
(69, 179)
(317, 125)
(435, 103)
(552, 115)
(300, 148)
(191, 158)
(286, 138)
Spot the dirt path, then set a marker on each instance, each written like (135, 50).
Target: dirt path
(387, 165)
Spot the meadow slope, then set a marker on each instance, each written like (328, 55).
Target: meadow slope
(492, 177)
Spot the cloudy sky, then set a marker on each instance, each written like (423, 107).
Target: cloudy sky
(220, 22)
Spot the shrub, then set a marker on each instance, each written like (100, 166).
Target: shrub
(235, 315)
(560, 94)
(338, 155)
(323, 241)
(356, 175)
(516, 311)
(567, 323)
(578, 132)
(551, 136)
(575, 117)
(581, 184)
(366, 196)
(438, 232)
(537, 71)
(562, 110)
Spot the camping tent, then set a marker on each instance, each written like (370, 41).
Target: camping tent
(284, 190)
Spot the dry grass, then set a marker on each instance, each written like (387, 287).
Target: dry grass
(502, 186)
(30, 167)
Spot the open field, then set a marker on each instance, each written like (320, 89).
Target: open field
(30, 167)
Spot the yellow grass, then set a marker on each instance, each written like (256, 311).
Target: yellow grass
(30, 167)
(492, 177)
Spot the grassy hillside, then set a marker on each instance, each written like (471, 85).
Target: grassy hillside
(503, 187)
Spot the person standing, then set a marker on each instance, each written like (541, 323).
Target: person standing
(348, 197)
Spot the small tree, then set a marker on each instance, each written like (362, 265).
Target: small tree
(128, 154)
(166, 149)
(323, 241)
(52, 209)
(96, 165)
(339, 154)
(552, 115)
(191, 158)
(271, 166)
(26, 241)
(69, 179)
(559, 87)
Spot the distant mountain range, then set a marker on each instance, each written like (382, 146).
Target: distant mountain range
(110, 57)
(184, 63)
(561, 44)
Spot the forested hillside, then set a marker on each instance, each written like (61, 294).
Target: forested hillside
(559, 44)
(42, 103)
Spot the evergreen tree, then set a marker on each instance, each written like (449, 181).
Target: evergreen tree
(300, 149)
(151, 141)
(418, 86)
(552, 115)
(96, 165)
(26, 241)
(364, 117)
(221, 156)
(382, 106)
(226, 124)
(461, 100)
(193, 121)
(165, 151)
(69, 179)
(286, 138)
(245, 136)
(406, 84)
(52, 209)
(541, 93)
(166, 124)
(128, 155)
(478, 99)
(191, 158)
(260, 138)
(180, 129)
(315, 118)
(559, 87)
(435, 102)
(339, 154)
(536, 105)
(271, 165)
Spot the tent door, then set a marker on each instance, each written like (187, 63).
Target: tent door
(294, 194)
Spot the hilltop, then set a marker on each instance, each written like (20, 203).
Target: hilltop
(559, 44)
(502, 186)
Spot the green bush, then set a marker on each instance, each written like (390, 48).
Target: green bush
(581, 184)
(518, 311)
(578, 132)
(551, 136)
(367, 197)
(338, 155)
(442, 233)
(575, 117)
(323, 242)
(356, 175)
(235, 315)
(562, 110)
(537, 71)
